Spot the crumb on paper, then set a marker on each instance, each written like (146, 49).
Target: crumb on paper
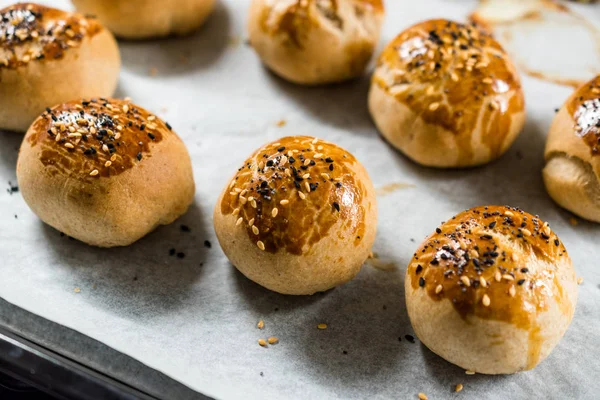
(261, 324)
(458, 387)
(469, 372)
(262, 342)
(422, 396)
(580, 280)
(322, 326)
(392, 187)
(281, 123)
(573, 221)
(77, 290)
(273, 340)
(375, 262)
(184, 59)
(153, 71)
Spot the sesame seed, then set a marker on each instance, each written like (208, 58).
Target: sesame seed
(514, 257)
(508, 277)
(458, 388)
(261, 324)
(307, 186)
(94, 172)
(251, 222)
(235, 212)
(434, 106)
(255, 230)
(69, 145)
(151, 118)
(325, 175)
(274, 212)
(482, 281)
(306, 162)
(438, 289)
(108, 164)
(242, 199)
(284, 202)
(302, 195)
(318, 155)
(322, 326)
(498, 276)
(508, 213)
(239, 221)
(486, 300)
(306, 176)
(526, 232)
(262, 342)
(105, 148)
(494, 105)
(465, 280)
(260, 245)
(512, 291)
(273, 340)
(253, 203)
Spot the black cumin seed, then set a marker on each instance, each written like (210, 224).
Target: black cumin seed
(520, 282)
(524, 270)
(282, 148)
(556, 242)
(492, 225)
(438, 230)
(329, 160)
(151, 136)
(421, 281)
(172, 252)
(410, 338)
(180, 255)
(336, 206)
(419, 269)
(207, 244)
(331, 167)
(185, 228)
(139, 156)
(168, 126)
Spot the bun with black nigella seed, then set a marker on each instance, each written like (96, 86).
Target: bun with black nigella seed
(492, 290)
(145, 19)
(447, 95)
(572, 154)
(298, 217)
(50, 56)
(104, 171)
(314, 42)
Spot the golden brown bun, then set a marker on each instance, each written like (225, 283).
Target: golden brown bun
(315, 41)
(104, 171)
(446, 95)
(492, 290)
(49, 56)
(572, 153)
(144, 19)
(298, 217)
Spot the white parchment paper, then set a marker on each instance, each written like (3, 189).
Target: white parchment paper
(194, 318)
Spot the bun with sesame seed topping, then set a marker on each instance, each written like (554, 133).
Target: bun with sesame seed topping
(572, 154)
(447, 95)
(145, 19)
(492, 290)
(49, 56)
(315, 41)
(299, 216)
(104, 171)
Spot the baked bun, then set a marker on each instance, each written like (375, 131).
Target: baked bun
(299, 216)
(49, 56)
(315, 41)
(447, 95)
(104, 171)
(144, 19)
(572, 153)
(492, 290)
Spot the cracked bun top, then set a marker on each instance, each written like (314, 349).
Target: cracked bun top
(35, 33)
(496, 263)
(96, 138)
(289, 194)
(457, 78)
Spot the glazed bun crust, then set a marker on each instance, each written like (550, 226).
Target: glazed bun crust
(572, 153)
(298, 217)
(447, 95)
(104, 171)
(315, 41)
(492, 290)
(144, 19)
(49, 56)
